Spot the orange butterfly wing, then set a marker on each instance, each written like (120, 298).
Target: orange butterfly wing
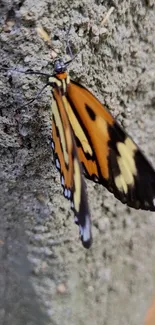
(108, 155)
(150, 315)
(67, 162)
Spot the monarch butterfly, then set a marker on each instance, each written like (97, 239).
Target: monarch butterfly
(87, 138)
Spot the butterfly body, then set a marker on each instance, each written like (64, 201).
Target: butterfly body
(87, 138)
(67, 160)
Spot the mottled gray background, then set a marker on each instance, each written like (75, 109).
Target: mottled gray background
(46, 276)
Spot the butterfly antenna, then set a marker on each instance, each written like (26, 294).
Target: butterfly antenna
(28, 72)
(34, 98)
(68, 48)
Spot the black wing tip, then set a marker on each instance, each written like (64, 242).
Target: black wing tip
(143, 203)
(87, 244)
(140, 193)
(146, 206)
(85, 232)
(136, 198)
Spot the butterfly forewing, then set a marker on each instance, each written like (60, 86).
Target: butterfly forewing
(67, 161)
(85, 134)
(108, 155)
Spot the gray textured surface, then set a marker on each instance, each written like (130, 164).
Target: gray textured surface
(46, 277)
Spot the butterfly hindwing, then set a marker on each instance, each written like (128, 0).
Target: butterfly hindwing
(66, 160)
(108, 155)
(85, 134)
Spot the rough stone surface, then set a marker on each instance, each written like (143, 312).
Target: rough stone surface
(46, 276)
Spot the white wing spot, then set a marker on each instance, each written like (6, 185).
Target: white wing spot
(85, 230)
(69, 194)
(76, 219)
(52, 145)
(154, 201)
(66, 192)
(62, 181)
(57, 163)
(95, 178)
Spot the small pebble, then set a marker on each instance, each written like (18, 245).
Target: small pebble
(61, 288)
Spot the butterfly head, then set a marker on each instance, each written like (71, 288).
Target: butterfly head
(59, 66)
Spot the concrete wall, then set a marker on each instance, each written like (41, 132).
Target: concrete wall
(46, 276)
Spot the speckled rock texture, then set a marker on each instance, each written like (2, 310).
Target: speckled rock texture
(46, 276)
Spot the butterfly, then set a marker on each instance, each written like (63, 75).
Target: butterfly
(86, 139)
